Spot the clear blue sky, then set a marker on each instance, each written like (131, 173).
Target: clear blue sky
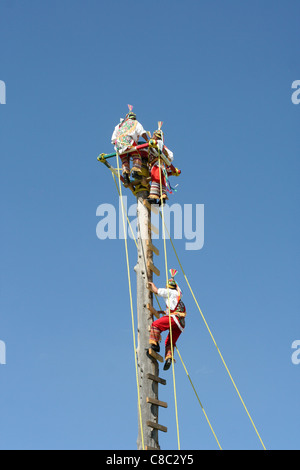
(219, 75)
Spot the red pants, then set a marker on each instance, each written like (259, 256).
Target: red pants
(163, 324)
(158, 177)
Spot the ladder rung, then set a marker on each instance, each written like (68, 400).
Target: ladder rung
(157, 379)
(150, 207)
(155, 355)
(156, 402)
(157, 426)
(154, 229)
(153, 268)
(152, 248)
(153, 311)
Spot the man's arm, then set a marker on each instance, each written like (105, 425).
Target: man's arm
(114, 136)
(145, 136)
(153, 287)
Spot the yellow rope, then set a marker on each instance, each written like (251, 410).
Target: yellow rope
(160, 308)
(214, 341)
(206, 324)
(170, 324)
(131, 307)
(126, 214)
(198, 399)
(133, 236)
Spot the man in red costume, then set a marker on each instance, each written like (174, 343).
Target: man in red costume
(160, 166)
(174, 314)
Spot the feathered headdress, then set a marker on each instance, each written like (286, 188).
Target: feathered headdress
(172, 284)
(159, 133)
(130, 115)
(173, 272)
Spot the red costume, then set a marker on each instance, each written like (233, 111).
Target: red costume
(163, 324)
(160, 165)
(175, 314)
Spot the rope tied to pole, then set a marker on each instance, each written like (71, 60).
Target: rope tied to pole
(198, 307)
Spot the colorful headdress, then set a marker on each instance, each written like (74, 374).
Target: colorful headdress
(172, 284)
(130, 115)
(159, 133)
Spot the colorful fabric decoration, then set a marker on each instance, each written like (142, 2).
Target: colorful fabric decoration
(124, 134)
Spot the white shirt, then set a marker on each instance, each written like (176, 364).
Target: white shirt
(171, 294)
(134, 134)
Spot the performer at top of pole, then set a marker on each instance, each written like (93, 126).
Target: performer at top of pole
(126, 136)
(160, 159)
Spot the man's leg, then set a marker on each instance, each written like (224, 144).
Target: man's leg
(157, 327)
(157, 177)
(176, 332)
(125, 167)
(136, 165)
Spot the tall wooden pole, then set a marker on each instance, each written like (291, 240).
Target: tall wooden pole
(146, 366)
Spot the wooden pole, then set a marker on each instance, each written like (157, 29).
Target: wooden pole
(147, 368)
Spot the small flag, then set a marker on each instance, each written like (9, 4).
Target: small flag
(130, 107)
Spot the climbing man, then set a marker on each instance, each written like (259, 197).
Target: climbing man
(125, 137)
(160, 166)
(175, 313)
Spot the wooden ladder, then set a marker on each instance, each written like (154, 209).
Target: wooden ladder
(155, 357)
